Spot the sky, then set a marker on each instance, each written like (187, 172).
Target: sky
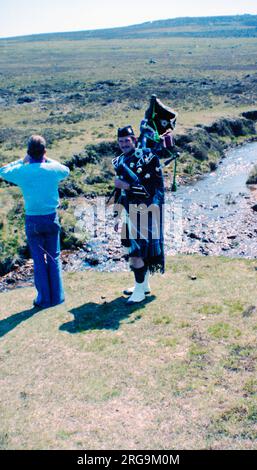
(21, 17)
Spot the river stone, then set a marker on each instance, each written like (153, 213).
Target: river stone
(194, 236)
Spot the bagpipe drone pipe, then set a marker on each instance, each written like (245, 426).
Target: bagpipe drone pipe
(156, 133)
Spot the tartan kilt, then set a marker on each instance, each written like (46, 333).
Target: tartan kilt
(142, 234)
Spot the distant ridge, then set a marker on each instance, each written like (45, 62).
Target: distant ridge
(208, 26)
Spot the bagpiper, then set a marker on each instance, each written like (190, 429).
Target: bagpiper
(140, 197)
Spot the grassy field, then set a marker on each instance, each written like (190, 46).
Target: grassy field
(178, 371)
(79, 92)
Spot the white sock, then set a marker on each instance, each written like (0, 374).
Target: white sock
(146, 281)
(138, 293)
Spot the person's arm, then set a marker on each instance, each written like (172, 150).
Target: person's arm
(64, 172)
(118, 182)
(118, 215)
(61, 170)
(11, 171)
(118, 208)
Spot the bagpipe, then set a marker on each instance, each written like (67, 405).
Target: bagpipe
(136, 188)
(155, 134)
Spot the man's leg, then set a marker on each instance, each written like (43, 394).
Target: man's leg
(36, 243)
(147, 287)
(54, 263)
(138, 267)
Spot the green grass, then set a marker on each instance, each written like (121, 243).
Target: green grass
(105, 84)
(169, 373)
(223, 330)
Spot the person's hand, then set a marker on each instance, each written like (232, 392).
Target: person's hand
(121, 184)
(26, 159)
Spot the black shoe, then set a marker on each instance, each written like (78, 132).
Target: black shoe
(38, 305)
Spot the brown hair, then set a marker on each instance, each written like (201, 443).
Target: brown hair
(36, 147)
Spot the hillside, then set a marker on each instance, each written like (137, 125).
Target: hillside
(210, 26)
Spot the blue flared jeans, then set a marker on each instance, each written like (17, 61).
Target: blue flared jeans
(43, 234)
